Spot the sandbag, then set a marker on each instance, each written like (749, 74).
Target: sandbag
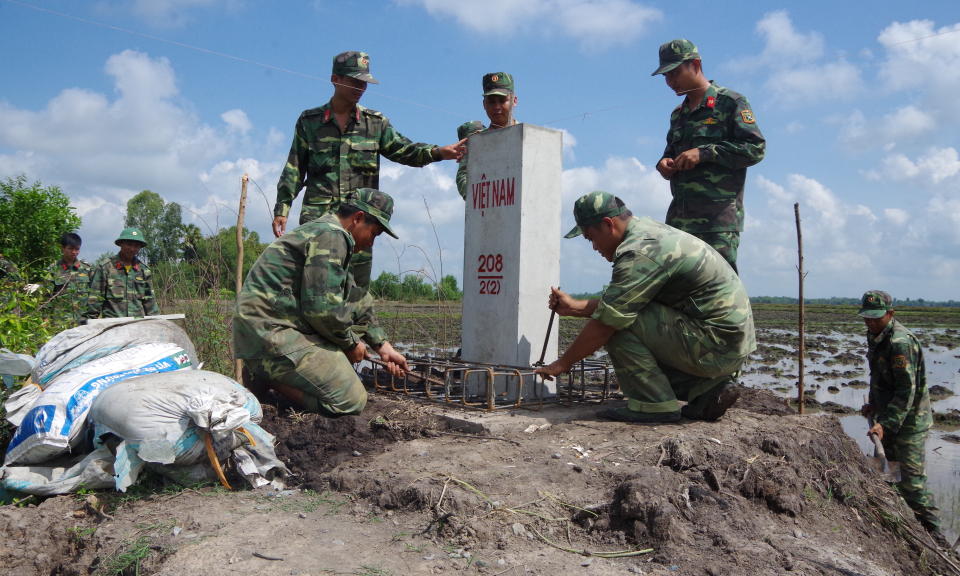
(56, 421)
(77, 346)
(63, 475)
(164, 420)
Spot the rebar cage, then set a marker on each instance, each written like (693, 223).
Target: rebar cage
(447, 381)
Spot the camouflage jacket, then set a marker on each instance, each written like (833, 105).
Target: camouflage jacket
(70, 284)
(8, 271)
(709, 197)
(657, 263)
(335, 163)
(299, 293)
(116, 293)
(466, 130)
(898, 380)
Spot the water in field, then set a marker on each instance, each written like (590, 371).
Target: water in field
(836, 371)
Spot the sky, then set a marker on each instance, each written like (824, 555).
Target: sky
(856, 106)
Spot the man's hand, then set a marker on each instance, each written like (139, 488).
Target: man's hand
(279, 226)
(552, 370)
(453, 151)
(396, 363)
(563, 303)
(687, 160)
(877, 429)
(867, 410)
(666, 168)
(358, 353)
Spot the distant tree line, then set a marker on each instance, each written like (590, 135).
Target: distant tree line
(389, 286)
(919, 302)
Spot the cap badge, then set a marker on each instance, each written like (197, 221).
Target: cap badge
(363, 61)
(134, 233)
(494, 78)
(870, 299)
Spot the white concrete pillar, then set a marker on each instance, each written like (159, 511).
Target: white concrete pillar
(511, 253)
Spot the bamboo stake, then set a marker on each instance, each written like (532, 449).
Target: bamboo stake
(796, 210)
(238, 367)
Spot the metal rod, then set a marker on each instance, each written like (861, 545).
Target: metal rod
(553, 312)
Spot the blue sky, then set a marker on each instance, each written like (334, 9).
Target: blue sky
(867, 144)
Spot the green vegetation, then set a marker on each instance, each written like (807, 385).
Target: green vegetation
(413, 287)
(131, 552)
(839, 300)
(32, 220)
(161, 224)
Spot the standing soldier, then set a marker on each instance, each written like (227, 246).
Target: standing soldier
(122, 287)
(69, 277)
(900, 402)
(337, 148)
(713, 138)
(675, 319)
(499, 100)
(301, 321)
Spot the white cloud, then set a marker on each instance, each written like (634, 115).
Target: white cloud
(931, 64)
(896, 216)
(569, 141)
(938, 165)
(237, 120)
(905, 123)
(101, 152)
(786, 47)
(595, 23)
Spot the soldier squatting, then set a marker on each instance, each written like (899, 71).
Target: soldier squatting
(675, 318)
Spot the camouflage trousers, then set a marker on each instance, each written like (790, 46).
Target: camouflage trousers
(910, 451)
(725, 243)
(329, 383)
(665, 356)
(361, 265)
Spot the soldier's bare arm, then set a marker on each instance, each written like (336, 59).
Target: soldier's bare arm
(396, 363)
(666, 167)
(567, 306)
(357, 354)
(687, 160)
(593, 336)
(453, 151)
(279, 226)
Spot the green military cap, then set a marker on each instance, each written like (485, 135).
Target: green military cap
(673, 53)
(499, 83)
(876, 303)
(353, 64)
(375, 203)
(592, 208)
(131, 234)
(469, 129)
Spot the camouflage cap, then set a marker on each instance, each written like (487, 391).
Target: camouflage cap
(673, 53)
(353, 64)
(469, 129)
(375, 203)
(592, 208)
(876, 303)
(499, 83)
(131, 234)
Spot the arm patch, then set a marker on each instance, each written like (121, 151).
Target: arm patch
(900, 361)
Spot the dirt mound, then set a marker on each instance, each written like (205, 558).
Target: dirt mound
(762, 402)
(311, 445)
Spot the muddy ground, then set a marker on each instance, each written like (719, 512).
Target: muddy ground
(394, 491)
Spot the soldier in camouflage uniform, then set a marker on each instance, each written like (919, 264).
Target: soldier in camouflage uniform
(900, 401)
(713, 139)
(499, 100)
(8, 271)
(301, 320)
(675, 318)
(69, 278)
(122, 287)
(337, 147)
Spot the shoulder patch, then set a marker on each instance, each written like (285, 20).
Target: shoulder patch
(747, 116)
(370, 112)
(313, 111)
(900, 361)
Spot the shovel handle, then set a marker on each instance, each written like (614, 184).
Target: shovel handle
(878, 451)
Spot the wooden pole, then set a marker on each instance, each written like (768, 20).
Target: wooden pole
(238, 367)
(800, 352)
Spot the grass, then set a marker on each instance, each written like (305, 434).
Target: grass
(131, 552)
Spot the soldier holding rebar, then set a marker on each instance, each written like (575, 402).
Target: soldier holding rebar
(900, 401)
(336, 149)
(675, 318)
(300, 320)
(713, 138)
(499, 100)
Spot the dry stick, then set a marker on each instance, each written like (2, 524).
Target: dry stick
(477, 437)
(796, 210)
(238, 365)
